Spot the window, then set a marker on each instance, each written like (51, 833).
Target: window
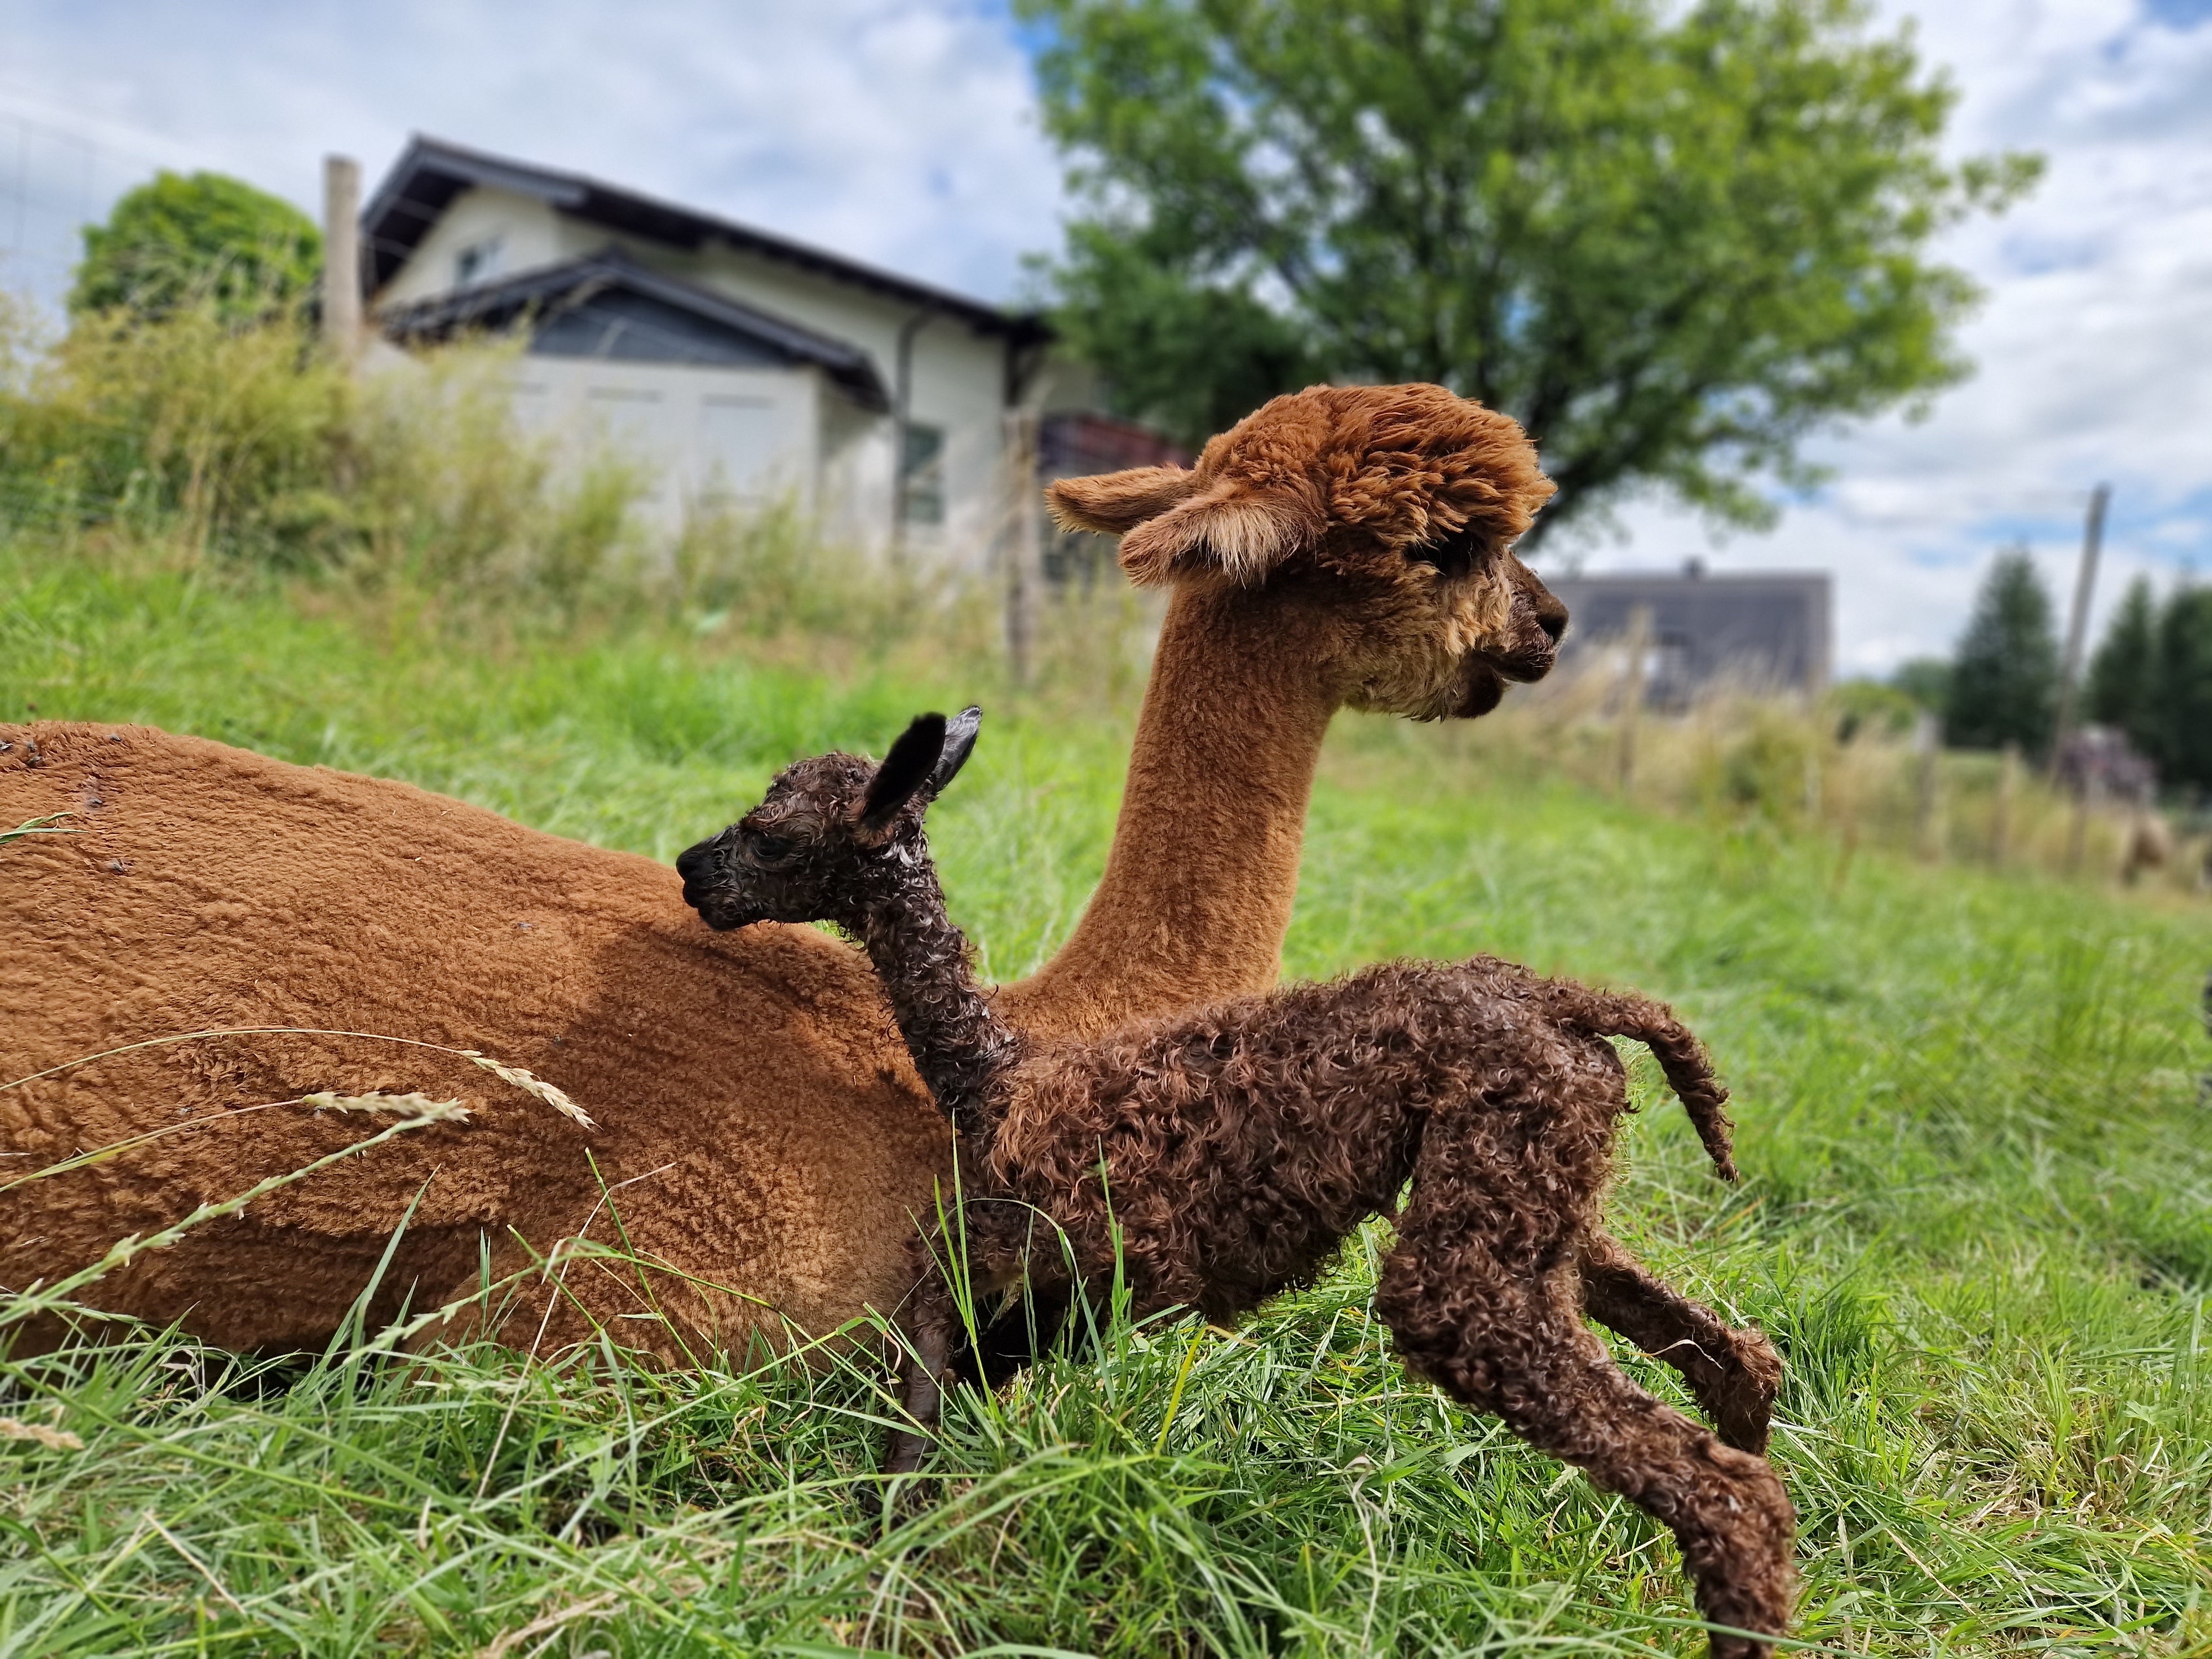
(478, 263)
(921, 474)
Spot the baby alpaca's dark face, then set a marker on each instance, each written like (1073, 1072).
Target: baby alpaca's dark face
(799, 856)
(834, 835)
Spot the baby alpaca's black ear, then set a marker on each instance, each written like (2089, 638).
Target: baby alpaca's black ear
(913, 758)
(959, 743)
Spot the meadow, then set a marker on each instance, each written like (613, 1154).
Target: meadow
(1977, 1219)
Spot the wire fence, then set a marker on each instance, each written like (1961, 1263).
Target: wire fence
(54, 181)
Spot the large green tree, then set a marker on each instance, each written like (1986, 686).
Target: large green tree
(1673, 244)
(2004, 679)
(206, 237)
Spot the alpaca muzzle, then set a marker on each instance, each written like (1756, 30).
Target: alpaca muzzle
(705, 869)
(1538, 621)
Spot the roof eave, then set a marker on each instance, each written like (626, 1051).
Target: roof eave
(499, 304)
(645, 215)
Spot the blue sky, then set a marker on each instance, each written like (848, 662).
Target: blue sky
(905, 131)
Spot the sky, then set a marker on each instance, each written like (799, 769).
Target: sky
(904, 132)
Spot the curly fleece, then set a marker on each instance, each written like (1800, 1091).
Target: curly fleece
(1223, 1155)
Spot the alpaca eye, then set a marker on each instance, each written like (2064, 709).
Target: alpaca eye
(1452, 555)
(773, 849)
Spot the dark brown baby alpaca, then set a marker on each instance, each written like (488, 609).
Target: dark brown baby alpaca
(1242, 1143)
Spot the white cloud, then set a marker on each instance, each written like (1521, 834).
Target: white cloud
(896, 130)
(903, 131)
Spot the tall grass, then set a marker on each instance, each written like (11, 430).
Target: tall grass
(241, 442)
(1831, 768)
(1978, 1221)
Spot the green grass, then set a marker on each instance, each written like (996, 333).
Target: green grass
(1977, 1218)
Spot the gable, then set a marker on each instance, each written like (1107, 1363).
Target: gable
(607, 305)
(637, 328)
(430, 175)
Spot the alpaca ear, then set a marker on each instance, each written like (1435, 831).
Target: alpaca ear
(959, 743)
(1112, 502)
(913, 758)
(1231, 529)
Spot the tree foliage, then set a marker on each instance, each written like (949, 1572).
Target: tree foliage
(1672, 248)
(2122, 689)
(2151, 678)
(2179, 737)
(2004, 679)
(178, 240)
(1925, 680)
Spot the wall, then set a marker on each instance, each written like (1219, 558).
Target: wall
(751, 434)
(531, 234)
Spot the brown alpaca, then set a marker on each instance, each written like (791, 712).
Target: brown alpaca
(1222, 1155)
(758, 1119)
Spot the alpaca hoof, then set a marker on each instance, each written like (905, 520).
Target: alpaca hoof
(904, 1454)
(1747, 1582)
(1743, 1406)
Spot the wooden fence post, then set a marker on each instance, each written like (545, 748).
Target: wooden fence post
(1632, 694)
(1927, 806)
(2086, 800)
(1025, 559)
(2001, 814)
(342, 258)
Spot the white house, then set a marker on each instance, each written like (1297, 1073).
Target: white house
(729, 360)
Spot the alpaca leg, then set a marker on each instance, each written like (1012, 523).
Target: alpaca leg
(929, 1327)
(1735, 1374)
(1483, 1295)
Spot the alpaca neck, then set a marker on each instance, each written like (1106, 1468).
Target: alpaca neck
(1199, 885)
(957, 1044)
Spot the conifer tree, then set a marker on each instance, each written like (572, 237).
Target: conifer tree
(2004, 679)
(2181, 716)
(2123, 686)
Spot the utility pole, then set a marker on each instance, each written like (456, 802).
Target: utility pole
(342, 257)
(2077, 621)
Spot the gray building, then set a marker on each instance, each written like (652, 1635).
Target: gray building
(1768, 630)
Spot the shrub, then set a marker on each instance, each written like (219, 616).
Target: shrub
(189, 422)
(242, 440)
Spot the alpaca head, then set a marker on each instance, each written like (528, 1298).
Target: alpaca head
(835, 834)
(1395, 508)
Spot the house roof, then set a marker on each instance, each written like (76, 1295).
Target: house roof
(1772, 623)
(430, 172)
(667, 320)
(1077, 442)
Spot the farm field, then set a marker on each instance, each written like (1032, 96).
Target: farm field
(1976, 1219)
